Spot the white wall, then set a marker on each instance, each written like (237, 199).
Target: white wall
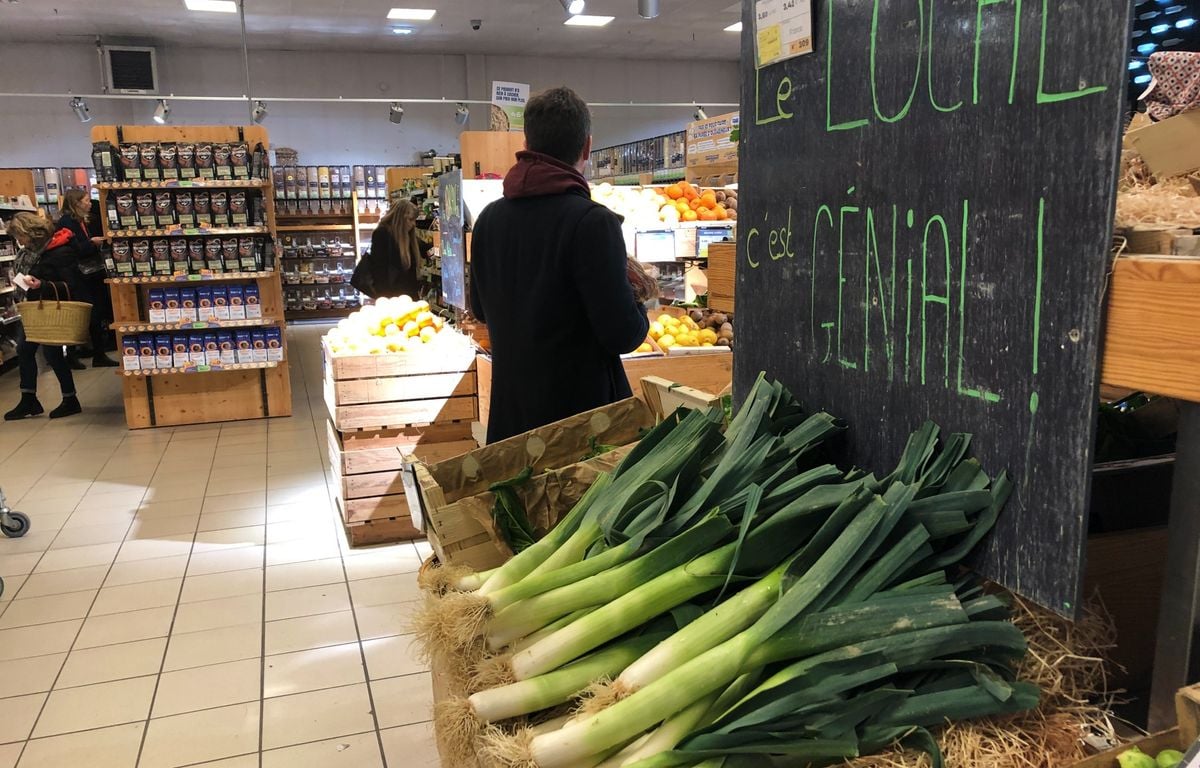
(43, 132)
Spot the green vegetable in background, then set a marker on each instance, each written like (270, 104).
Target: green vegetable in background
(597, 449)
(1135, 758)
(1169, 758)
(509, 512)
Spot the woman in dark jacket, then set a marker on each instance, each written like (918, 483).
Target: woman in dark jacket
(76, 210)
(395, 253)
(47, 256)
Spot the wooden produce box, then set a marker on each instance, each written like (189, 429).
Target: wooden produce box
(712, 373)
(722, 276)
(455, 505)
(430, 386)
(1187, 711)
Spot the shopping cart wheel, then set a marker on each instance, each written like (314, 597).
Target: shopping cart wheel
(15, 525)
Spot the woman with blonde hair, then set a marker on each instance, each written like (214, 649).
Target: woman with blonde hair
(76, 214)
(46, 256)
(395, 253)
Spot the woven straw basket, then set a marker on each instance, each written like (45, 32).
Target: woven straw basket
(55, 321)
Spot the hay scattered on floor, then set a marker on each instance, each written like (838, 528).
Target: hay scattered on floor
(1067, 660)
(1144, 201)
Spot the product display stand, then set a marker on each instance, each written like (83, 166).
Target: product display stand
(254, 383)
(1152, 344)
(14, 184)
(319, 253)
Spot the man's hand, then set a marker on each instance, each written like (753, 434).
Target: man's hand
(33, 282)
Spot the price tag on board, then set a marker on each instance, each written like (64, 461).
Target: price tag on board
(782, 30)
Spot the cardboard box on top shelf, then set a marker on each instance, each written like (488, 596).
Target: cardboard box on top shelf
(1170, 147)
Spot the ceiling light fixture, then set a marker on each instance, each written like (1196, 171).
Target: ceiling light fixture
(402, 30)
(411, 14)
(260, 112)
(700, 114)
(80, 108)
(462, 114)
(573, 7)
(734, 27)
(162, 112)
(648, 9)
(588, 21)
(211, 6)
(396, 113)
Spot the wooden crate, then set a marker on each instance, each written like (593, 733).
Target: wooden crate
(722, 276)
(434, 386)
(385, 531)
(1187, 712)
(445, 488)
(709, 373)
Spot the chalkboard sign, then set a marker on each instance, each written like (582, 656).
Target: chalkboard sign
(924, 230)
(453, 246)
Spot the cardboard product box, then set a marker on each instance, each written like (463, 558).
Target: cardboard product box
(204, 304)
(130, 358)
(145, 342)
(253, 302)
(1170, 147)
(274, 345)
(187, 306)
(237, 302)
(180, 350)
(220, 302)
(212, 349)
(227, 347)
(196, 352)
(164, 353)
(157, 306)
(174, 310)
(258, 340)
(244, 345)
(709, 141)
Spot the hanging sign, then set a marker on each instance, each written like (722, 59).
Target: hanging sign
(508, 106)
(782, 30)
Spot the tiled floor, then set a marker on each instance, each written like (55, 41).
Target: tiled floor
(185, 597)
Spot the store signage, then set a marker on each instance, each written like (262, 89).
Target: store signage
(711, 141)
(924, 232)
(508, 105)
(783, 29)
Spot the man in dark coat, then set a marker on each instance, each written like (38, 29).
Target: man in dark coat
(548, 277)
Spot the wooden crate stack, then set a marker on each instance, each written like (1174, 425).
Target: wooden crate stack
(385, 410)
(721, 273)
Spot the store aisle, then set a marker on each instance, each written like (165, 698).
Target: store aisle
(186, 596)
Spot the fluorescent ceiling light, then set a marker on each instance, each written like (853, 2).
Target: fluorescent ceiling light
(411, 14)
(734, 27)
(572, 7)
(402, 30)
(214, 6)
(588, 21)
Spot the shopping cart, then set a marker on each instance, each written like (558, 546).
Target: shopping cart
(13, 524)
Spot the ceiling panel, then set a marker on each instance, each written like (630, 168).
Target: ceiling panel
(689, 29)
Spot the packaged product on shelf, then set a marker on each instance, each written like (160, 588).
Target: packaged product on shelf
(131, 164)
(160, 251)
(202, 207)
(185, 211)
(225, 343)
(290, 186)
(279, 181)
(258, 212)
(244, 345)
(258, 338)
(126, 210)
(148, 161)
(324, 186)
(347, 183)
(339, 299)
(174, 307)
(274, 345)
(105, 161)
(130, 359)
(195, 247)
(179, 256)
(314, 187)
(212, 254)
(168, 160)
(220, 208)
(220, 302)
(157, 306)
(187, 306)
(308, 301)
(222, 160)
(141, 258)
(144, 205)
(237, 302)
(204, 304)
(238, 210)
(205, 168)
(360, 181)
(229, 252)
(212, 348)
(164, 209)
(325, 300)
(371, 188)
(259, 162)
(179, 350)
(335, 186)
(196, 353)
(122, 257)
(239, 160)
(253, 305)
(110, 212)
(186, 157)
(145, 343)
(164, 354)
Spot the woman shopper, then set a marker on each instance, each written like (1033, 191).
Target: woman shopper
(46, 256)
(76, 210)
(395, 252)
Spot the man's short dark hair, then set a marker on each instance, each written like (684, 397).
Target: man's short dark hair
(558, 123)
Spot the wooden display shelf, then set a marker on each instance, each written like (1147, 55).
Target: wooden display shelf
(316, 228)
(167, 279)
(177, 396)
(199, 325)
(185, 184)
(17, 208)
(188, 232)
(318, 314)
(203, 369)
(9, 289)
(4, 259)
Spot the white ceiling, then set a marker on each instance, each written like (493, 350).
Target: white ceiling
(689, 29)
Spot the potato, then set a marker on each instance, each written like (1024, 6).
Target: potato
(696, 315)
(718, 319)
(723, 342)
(726, 327)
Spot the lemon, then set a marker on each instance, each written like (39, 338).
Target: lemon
(667, 341)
